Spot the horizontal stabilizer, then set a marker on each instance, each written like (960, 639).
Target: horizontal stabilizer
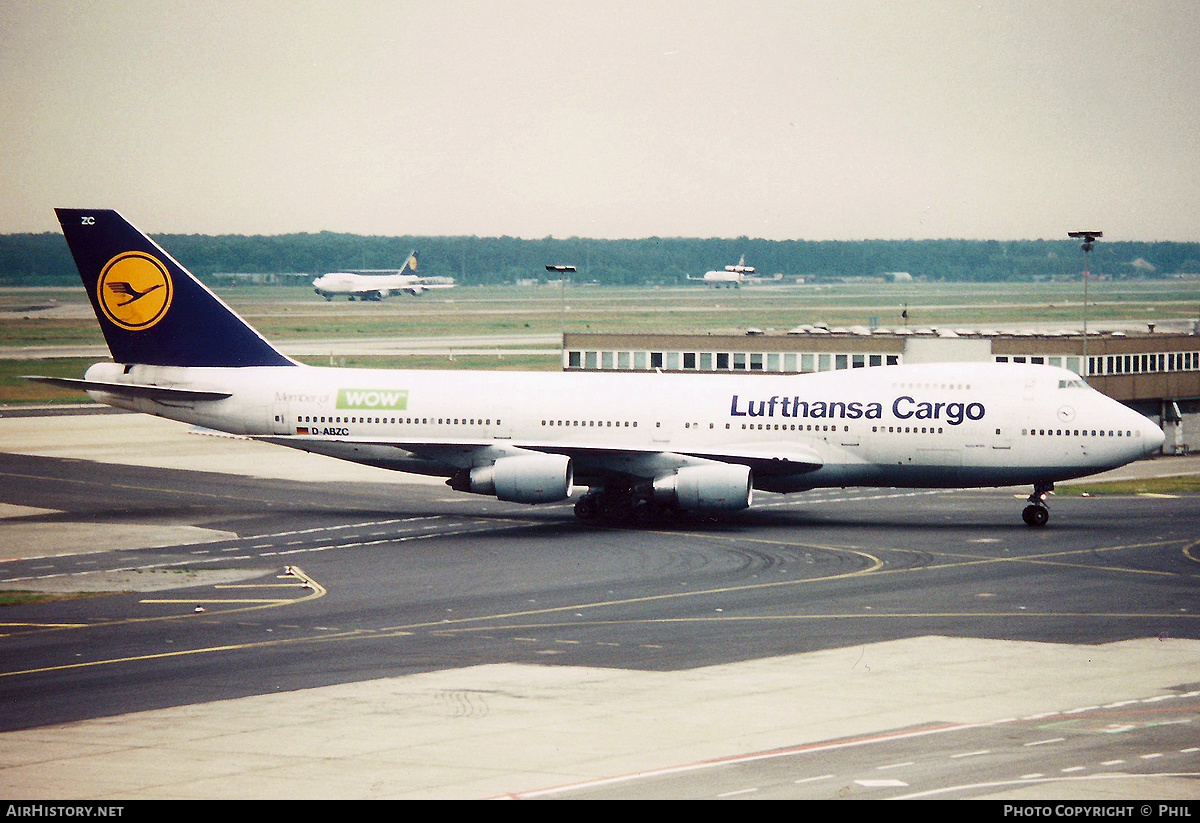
(166, 393)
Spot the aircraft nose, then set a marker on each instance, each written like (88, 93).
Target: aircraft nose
(1152, 436)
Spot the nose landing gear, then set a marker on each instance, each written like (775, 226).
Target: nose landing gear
(1036, 514)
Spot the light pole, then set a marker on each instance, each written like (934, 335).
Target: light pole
(562, 272)
(1089, 239)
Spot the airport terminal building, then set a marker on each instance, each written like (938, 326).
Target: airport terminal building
(1157, 373)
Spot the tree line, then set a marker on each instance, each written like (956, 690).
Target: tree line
(43, 259)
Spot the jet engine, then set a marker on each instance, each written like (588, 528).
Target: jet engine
(525, 478)
(719, 487)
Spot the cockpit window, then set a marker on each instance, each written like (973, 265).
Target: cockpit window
(1076, 383)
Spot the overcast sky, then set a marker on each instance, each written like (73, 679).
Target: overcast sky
(783, 120)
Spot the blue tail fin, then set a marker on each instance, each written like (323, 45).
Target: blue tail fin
(152, 310)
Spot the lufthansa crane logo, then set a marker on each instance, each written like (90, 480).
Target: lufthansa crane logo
(134, 290)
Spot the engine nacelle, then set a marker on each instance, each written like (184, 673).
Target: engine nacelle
(525, 478)
(722, 487)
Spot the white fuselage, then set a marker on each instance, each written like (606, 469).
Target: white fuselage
(937, 425)
(723, 278)
(341, 283)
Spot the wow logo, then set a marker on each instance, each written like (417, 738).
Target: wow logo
(372, 399)
(134, 290)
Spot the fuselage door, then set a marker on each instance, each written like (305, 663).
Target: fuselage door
(1002, 437)
(280, 421)
(502, 423)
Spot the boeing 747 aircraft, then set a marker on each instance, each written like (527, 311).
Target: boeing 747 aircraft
(644, 445)
(376, 285)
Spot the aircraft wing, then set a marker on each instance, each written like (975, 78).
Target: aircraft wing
(600, 461)
(766, 459)
(648, 462)
(136, 390)
(421, 285)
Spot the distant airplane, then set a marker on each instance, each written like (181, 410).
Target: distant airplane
(646, 445)
(731, 278)
(376, 284)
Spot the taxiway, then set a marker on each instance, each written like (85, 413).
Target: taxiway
(292, 626)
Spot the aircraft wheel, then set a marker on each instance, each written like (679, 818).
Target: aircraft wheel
(614, 507)
(585, 509)
(645, 513)
(1035, 515)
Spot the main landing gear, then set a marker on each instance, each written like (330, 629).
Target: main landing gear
(1036, 514)
(623, 507)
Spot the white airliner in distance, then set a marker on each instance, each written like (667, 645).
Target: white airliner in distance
(732, 277)
(645, 445)
(378, 284)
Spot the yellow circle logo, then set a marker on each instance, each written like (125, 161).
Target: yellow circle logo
(134, 290)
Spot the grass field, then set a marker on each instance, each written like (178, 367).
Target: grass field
(1183, 484)
(61, 317)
